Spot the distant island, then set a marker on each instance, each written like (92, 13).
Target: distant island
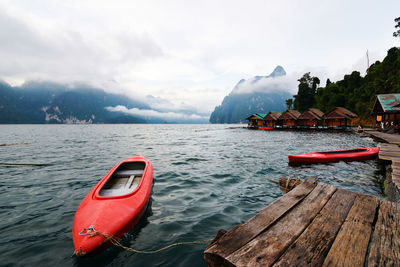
(256, 95)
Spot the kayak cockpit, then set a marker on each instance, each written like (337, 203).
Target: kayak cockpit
(124, 180)
(357, 150)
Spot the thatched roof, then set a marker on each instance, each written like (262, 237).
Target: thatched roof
(311, 114)
(290, 114)
(340, 113)
(272, 116)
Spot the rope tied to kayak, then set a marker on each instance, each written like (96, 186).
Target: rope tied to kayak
(90, 231)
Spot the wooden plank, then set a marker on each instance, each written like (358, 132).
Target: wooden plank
(385, 247)
(389, 138)
(314, 243)
(242, 234)
(395, 171)
(266, 248)
(396, 181)
(351, 243)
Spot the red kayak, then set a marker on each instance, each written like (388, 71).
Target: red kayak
(113, 206)
(335, 156)
(265, 128)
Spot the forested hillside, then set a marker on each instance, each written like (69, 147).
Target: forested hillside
(354, 92)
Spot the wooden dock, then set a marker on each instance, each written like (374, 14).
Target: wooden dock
(314, 225)
(387, 138)
(390, 151)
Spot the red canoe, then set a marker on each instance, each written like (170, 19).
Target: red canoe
(113, 206)
(335, 156)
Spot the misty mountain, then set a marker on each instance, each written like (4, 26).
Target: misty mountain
(44, 102)
(260, 94)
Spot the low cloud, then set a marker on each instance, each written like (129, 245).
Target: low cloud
(286, 83)
(151, 114)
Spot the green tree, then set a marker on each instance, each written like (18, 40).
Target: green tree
(397, 32)
(289, 103)
(354, 92)
(328, 82)
(305, 97)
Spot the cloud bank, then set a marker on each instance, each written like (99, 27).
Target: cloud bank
(151, 114)
(168, 49)
(286, 83)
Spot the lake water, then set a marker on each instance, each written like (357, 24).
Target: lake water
(206, 177)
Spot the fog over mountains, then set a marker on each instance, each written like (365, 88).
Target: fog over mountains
(46, 102)
(260, 94)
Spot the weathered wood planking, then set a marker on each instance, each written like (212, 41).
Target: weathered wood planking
(242, 234)
(389, 152)
(267, 247)
(314, 243)
(389, 138)
(351, 243)
(322, 226)
(385, 248)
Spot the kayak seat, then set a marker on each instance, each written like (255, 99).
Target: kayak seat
(113, 192)
(128, 173)
(122, 182)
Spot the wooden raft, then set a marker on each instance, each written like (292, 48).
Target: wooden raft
(314, 225)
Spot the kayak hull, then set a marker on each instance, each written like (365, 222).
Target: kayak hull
(335, 156)
(111, 212)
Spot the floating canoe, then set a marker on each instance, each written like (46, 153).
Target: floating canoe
(113, 206)
(335, 156)
(265, 128)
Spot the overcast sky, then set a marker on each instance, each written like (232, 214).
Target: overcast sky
(191, 53)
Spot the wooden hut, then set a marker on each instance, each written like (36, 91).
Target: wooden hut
(271, 118)
(387, 109)
(256, 120)
(312, 117)
(288, 118)
(339, 118)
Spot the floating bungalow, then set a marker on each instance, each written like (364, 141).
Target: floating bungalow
(387, 109)
(256, 120)
(312, 117)
(270, 120)
(339, 118)
(288, 118)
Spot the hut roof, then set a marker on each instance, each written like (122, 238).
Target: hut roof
(290, 114)
(311, 114)
(388, 103)
(258, 115)
(272, 116)
(340, 113)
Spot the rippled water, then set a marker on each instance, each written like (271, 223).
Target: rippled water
(206, 177)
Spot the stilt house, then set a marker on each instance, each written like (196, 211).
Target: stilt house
(312, 117)
(339, 118)
(271, 118)
(288, 118)
(387, 109)
(256, 120)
